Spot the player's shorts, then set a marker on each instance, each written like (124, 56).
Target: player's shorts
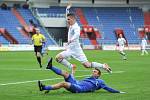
(38, 49)
(143, 48)
(76, 54)
(121, 48)
(74, 88)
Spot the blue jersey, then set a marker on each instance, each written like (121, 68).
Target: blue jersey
(89, 84)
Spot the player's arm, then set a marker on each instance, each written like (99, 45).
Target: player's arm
(67, 8)
(43, 38)
(145, 42)
(117, 43)
(109, 89)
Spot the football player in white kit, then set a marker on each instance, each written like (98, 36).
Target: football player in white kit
(121, 43)
(143, 46)
(74, 50)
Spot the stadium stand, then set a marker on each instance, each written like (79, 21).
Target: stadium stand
(3, 40)
(27, 15)
(10, 23)
(107, 19)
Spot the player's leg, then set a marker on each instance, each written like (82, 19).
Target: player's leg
(62, 58)
(124, 55)
(83, 59)
(56, 70)
(39, 59)
(97, 65)
(142, 51)
(70, 84)
(37, 50)
(121, 51)
(42, 87)
(146, 51)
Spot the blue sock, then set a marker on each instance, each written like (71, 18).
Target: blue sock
(47, 88)
(56, 70)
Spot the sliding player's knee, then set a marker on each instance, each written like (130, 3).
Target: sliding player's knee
(59, 58)
(65, 74)
(64, 84)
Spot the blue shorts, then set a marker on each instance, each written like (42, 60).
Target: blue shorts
(74, 88)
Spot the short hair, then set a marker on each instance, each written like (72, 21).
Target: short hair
(71, 14)
(99, 72)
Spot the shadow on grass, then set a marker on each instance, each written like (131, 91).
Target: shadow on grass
(59, 93)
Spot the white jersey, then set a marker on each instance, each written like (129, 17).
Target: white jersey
(121, 41)
(143, 43)
(74, 49)
(74, 35)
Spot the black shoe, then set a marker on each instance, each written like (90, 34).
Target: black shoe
(47, 91)
(40, 86)
(40, 66)
(49, 65)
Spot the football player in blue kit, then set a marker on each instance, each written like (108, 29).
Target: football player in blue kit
(89, 84)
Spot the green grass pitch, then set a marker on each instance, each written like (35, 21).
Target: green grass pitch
(19, 72)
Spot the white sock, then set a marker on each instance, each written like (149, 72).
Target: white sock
(146, 52)
(66, 63)
(96, 65)
(142, 52)
(123, 53)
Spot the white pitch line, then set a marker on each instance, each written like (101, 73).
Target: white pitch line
(21, 69)
(49, 79)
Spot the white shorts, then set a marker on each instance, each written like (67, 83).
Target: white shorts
(121, 48)
(143, 47)
(76, 54)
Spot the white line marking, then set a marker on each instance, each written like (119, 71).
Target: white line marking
(50, 79)
(21, 69)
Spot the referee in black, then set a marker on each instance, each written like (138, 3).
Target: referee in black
(38, 39)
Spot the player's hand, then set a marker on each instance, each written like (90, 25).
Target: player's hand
(122, 92)
(41, 41)
(69, 5)
(69, 42)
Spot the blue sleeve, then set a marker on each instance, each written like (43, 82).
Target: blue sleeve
(110, 89)
(105, 87)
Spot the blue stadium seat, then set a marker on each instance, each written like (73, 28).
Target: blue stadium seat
(3, 40)
(10, 22)
(107, 19)
(27, 15)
